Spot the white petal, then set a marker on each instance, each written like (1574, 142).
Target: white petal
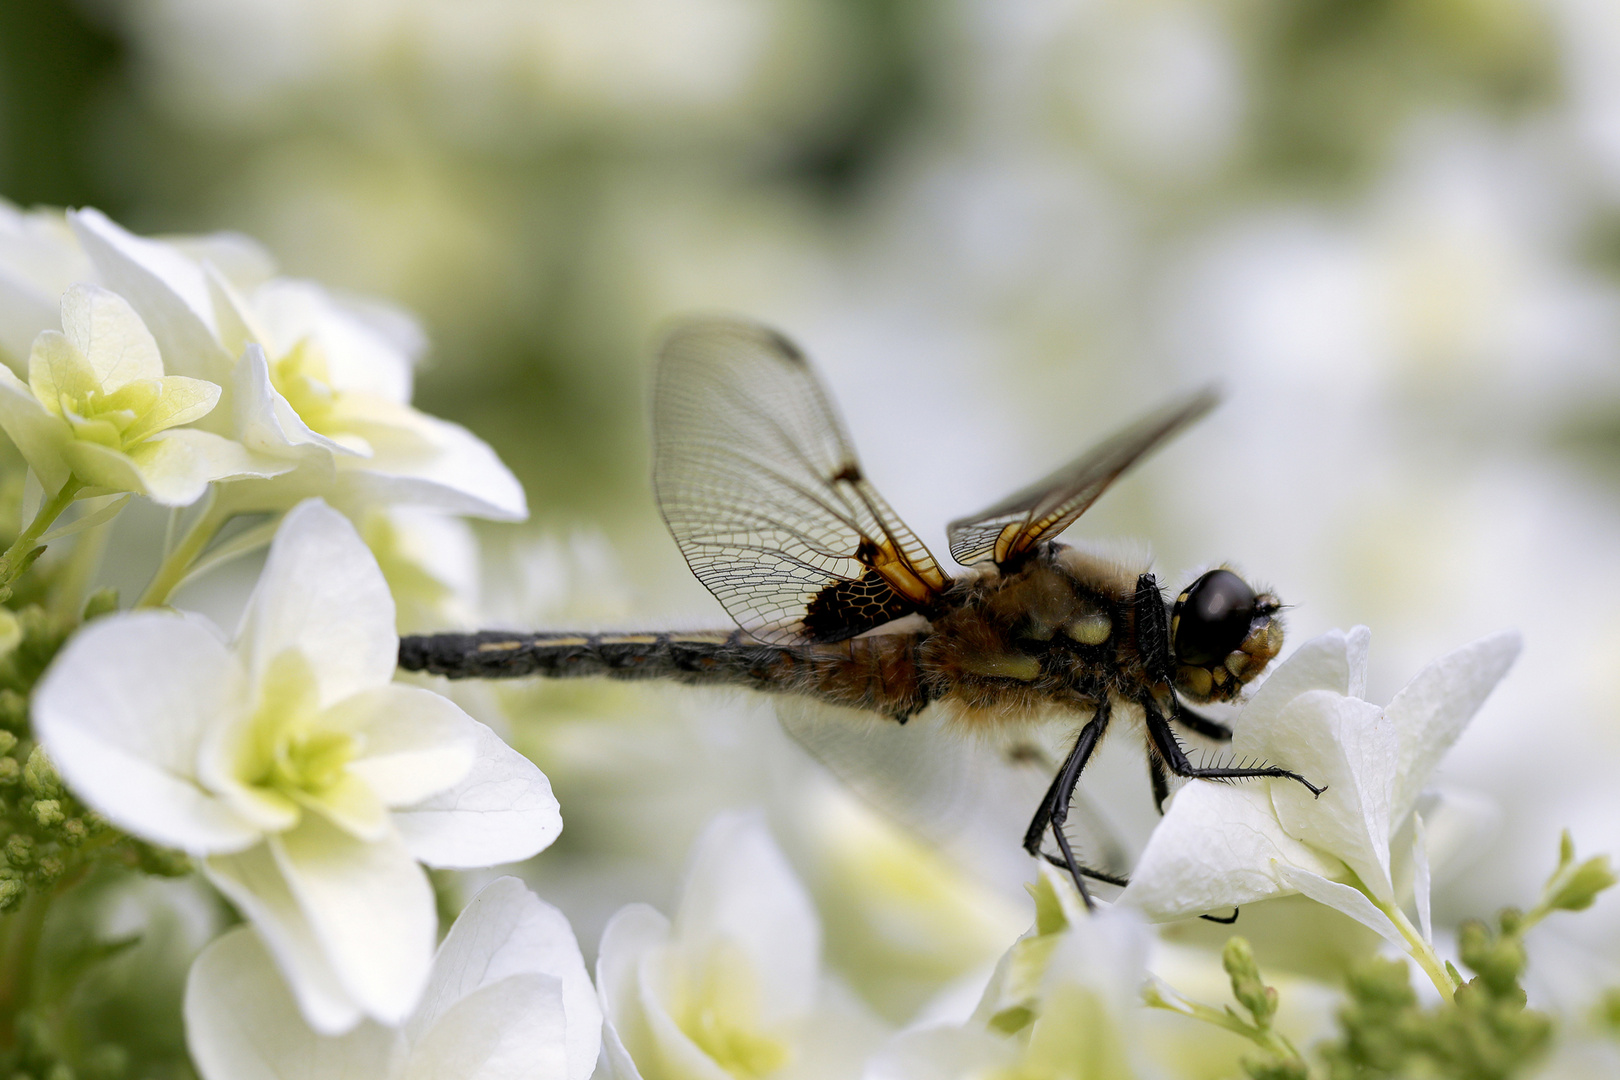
(1218, 847)
(106, 330)
(502, 811)
(173, 468)
(1341, 897)
(358, 357)
(415, 743)
(25, 310)
(40, 435)
(634, 932)
(1349, 746)
(123, 712)
(506, 930)
(511, 1030)
(242, 1024)
(431, 462)
(740, 889)
(167, 289)
(1431, 710)
(1332, 661)
(371, 908)
(255, 886)
(1420, 877)
(321, 593)
(671, 1051)
(264, 420)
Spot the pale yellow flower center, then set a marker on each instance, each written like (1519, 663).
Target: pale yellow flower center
(287, 751)
(716, 1008)
(302, 377)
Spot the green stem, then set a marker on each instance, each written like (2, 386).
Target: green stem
(1421, 951)
(179, 561)
(1264, 1037)
(20, 933)
(16, 555)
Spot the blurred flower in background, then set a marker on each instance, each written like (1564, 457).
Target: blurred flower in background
(1390, 231)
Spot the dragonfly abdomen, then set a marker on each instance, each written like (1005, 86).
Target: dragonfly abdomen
(879, 674)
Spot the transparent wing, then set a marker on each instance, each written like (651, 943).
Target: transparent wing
(1047, 507)
(968, 796)
(765, 497)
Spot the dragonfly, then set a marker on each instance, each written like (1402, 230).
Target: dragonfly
(844, 611)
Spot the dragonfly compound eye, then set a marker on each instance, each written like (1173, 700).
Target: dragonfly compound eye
(1211, 618)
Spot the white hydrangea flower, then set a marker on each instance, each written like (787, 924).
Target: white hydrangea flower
(307, 780)
(1361, 846)
(1064, 1001)
(99, 408)
(507, 999)
(732, 986)
(308, 379)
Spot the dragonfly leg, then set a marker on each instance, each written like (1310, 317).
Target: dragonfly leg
(1161, 787)
(1166, 743)
(1199, 724)
(1054, 809)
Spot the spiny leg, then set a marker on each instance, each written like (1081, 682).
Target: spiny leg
(1161, 787)
(1054, 809)
(1165, 742)
(1199, 724)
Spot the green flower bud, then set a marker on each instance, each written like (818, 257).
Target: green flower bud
(11, 891)
(1261, 1000)
(109, 1061)
(74, 832)
(101, 602)
(1499, 961)
(19, 850)
(60, 1071)
(1576, 889)
(47, 812)
(8, 742)
(50, 868)
(40, 776)
(11, 771)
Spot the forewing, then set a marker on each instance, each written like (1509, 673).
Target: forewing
(765, 497)
(1047, 507)
(972, 797)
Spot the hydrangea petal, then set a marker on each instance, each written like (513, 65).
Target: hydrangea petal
(1331, 661)
(1349, 746)
(740, 889)
(108, 333)
(1430, 711)
(943, 1053)
(504, 931)
(1341, 897)
(1217, 847)
(253, 882)
(635, 931)
(371, 908)
(502, 811)
(123, 712)
(361, 357)
(40, 435)
(164, 287)
(322, 594)
(425, 461)
(242, 1024)
(511, 1030)
(415, 743)
(173, 468)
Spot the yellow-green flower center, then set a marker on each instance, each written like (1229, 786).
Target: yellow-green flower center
(287, 751)
(302, 377)
(716, 1009)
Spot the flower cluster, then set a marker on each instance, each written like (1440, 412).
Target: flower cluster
(247, 850)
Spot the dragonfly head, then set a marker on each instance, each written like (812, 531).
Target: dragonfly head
(1223, 634)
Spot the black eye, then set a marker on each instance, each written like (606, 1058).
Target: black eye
(1212, 618)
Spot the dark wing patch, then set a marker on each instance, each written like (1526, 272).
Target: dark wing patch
(761, 489)
(1012, 527)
